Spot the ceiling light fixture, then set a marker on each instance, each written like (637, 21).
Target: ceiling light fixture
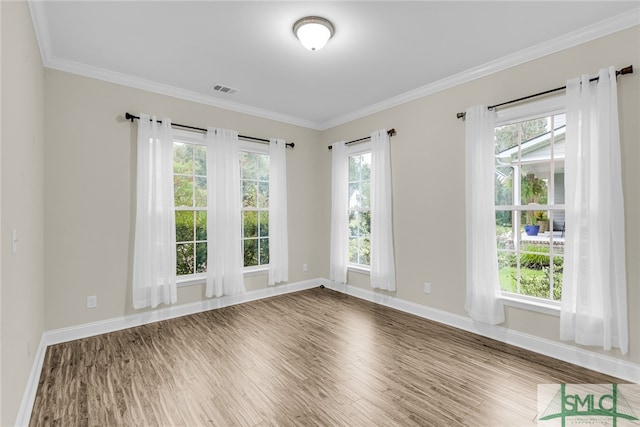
(313, 32)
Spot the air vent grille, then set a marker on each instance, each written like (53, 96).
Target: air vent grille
(224, 89)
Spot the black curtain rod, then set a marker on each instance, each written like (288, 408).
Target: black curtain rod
(390, 132)
(623, 71)
(131, 117)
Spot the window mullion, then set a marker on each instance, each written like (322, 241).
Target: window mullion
(186, 155)
(359, 168)
(532, 147)
(252, 164)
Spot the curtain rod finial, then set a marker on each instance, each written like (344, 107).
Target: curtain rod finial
(461, 115)
(625, 70)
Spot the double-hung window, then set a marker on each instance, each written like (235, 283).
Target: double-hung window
(529, 202)
(359, 209)
(190, 197)
(254, 171)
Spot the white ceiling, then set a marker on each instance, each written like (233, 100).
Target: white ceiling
(382, 53)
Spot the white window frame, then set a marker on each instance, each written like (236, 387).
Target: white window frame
(255, 147)
(356, 150)
(506, 116)
(194, 138)
(200, 139)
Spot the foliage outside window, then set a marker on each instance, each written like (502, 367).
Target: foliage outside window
(254, 169)
(190, 195)
(359, 209)
(529, 191)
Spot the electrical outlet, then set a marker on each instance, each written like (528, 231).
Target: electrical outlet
(92, 301)
(305, 267)
(427, 288)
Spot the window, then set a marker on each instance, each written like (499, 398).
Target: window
(529, 205)
(359, 209)
(254, 171)
(190, 196)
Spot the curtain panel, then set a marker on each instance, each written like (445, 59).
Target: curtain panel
(154, 256)
(339, 239)
(383, 270)
(594, 299)
(224, 248)
(483, 303)
(278, 236)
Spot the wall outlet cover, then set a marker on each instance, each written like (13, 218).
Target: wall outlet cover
(92, 301)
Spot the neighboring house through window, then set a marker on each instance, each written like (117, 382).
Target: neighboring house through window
(529, 204)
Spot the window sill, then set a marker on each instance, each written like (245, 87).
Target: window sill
(191, 281)
(255, 271)
(201, 279)
(359, 269)
(533, 304)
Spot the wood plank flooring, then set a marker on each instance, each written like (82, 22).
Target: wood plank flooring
(315, 357)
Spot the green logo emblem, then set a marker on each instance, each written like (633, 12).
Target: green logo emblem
(585, 402)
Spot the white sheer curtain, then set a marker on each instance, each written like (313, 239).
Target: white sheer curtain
(278, 236)
(224, 250)
(483, 287)
(383, 269)
(154, 255)
(594, 288)
(339, 246)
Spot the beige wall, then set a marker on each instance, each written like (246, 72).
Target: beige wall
(89, 164)
(428, 177)
(90, 199)
(1, 233)
(22, 292)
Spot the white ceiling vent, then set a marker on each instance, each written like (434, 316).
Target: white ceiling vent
(224, 89)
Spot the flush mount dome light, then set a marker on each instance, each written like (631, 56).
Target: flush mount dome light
(313, 32)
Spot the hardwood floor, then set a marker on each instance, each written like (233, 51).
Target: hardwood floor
(315, 357)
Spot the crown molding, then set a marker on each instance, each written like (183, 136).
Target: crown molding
(575, 38)
(583, 35)
(49, 60)
(41, 28)
(175, 92)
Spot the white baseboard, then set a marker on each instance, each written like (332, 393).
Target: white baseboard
(58, 336)
(71, 333)
(29, 396)
(578, 356)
